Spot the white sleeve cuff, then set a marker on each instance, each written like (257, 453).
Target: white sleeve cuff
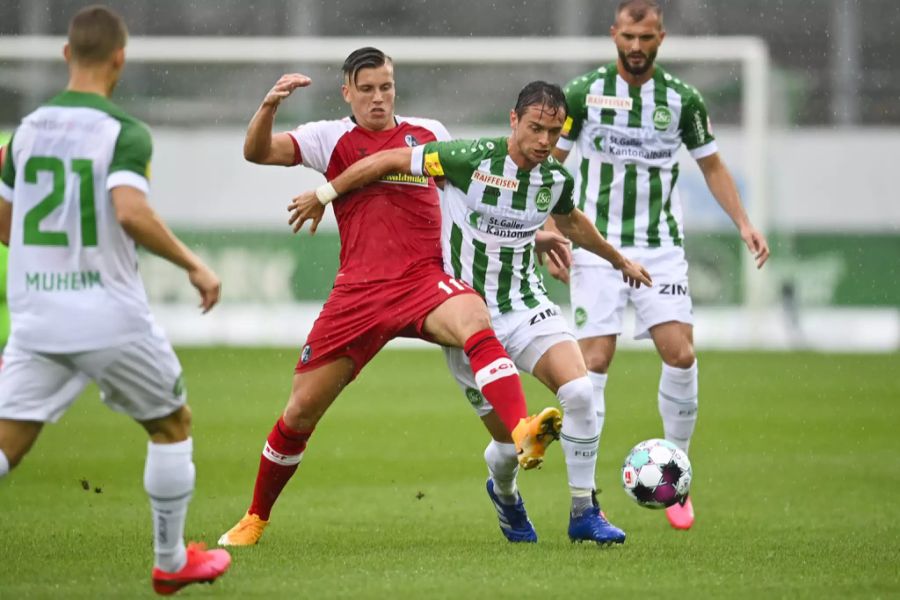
(417, 160)
(128, 179)
(704, 150)
(564, 144)
(6, 191)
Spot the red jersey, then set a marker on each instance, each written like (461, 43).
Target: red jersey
(389, 227)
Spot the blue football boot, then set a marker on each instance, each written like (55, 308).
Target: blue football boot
(592, 526)
(514, 522)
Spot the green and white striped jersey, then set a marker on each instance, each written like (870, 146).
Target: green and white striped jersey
(491, 211)
(73, 283)
(627, 139)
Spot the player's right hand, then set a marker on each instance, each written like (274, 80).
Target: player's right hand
(284, 87)
(303, 208)
(558, 272)
(634, 274)
(208, 284)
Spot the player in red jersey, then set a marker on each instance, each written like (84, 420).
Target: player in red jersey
(390, 282)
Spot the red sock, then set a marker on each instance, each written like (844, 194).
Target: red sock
(280, 458)
(497, 377)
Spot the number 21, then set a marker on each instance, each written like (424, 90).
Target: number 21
(82, 167)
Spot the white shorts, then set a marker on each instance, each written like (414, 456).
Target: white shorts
(141, 379)
(526, 335)
(599, 295)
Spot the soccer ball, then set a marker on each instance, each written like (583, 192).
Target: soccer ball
(656, 474)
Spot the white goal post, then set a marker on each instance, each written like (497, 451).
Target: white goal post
(750, 52)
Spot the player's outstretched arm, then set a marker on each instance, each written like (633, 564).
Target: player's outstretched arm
(310, 206)
(578, 228)
(144, 226)
(721, 184)
(260, 146)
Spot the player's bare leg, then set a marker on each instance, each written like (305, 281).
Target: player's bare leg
(169, 481)
(463, 321)
(311, 395)
(562, 369)
(677, 398)
(16, 439)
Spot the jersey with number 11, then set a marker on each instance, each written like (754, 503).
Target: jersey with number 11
(73, 282)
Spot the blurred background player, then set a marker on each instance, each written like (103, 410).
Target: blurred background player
(4, 257)
(390, 282)
(497, 194)
(628, 119)
(73, 204)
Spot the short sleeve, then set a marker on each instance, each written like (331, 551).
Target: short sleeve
(566, 202)
(576, 100)
(696, 132)
(130, 164)
(454, 160)
(316, 141)
(8, 171)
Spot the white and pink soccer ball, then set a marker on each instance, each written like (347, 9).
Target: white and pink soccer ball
(657, 474)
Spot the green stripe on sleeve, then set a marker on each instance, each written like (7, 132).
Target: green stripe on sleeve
(504, 304)
(629, 204)
(655, 207)
(456, 238)
(479, 266)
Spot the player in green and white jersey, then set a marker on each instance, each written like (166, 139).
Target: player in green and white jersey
(73, 206)
(498, 192)
(627, 120)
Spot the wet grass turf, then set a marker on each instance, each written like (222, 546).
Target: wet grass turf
(796, 487)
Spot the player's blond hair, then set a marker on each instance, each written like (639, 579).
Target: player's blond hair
(95, 33)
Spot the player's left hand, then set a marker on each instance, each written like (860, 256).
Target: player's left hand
(634, 274)
(757, 244)
(557, 248)
(306, 207)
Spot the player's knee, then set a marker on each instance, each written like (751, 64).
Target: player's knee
(300, 414)
(597, 362)
(576, 395)
(681, 358)
(174, 428)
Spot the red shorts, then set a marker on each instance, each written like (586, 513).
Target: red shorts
(359, 319)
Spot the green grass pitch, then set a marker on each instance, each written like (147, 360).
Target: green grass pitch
(796, 486)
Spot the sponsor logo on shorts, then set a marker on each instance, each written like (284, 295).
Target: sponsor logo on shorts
(541, 316)
(474, 397)
(495, 181)
(608, 102)
(580, 317)
(306, 354)
(178, 388)
(673, 289)
(411, 140)
(542, 199)
(662, 118)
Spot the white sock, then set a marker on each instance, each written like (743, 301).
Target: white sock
(678, 403)
(598, 380)
(4, 464)
(169, 481)
(503, 465)
(580, 435)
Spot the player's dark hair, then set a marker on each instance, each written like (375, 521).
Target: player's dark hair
(364, 58)
(638, 9)
(548, 96)
(95, 32)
